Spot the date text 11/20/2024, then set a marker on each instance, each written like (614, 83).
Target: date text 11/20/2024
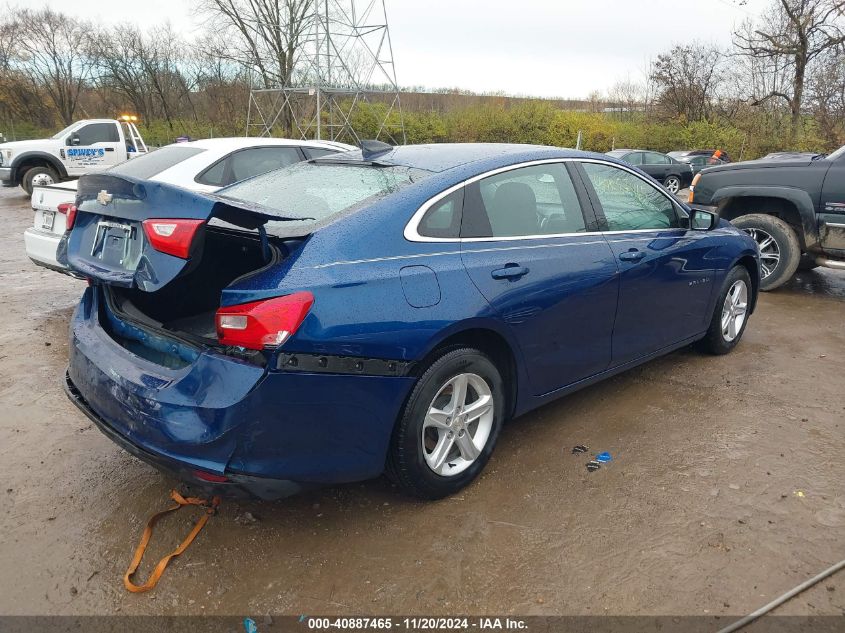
(416, 623)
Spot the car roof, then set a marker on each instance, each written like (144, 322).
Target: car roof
(441, 157)
(227, 144)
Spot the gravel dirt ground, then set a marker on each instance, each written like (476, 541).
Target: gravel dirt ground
(698, 513)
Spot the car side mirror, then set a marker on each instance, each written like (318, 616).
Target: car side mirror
(74, 139)
(702, 220)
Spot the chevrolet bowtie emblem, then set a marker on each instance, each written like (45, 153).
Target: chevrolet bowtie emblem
(104, 197)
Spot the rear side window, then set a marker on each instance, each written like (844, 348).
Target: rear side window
(97, 133)
(443, 219)
(634, 158)
(154, 162)
(535, 200)
(318, 152)
(629, 202)
(247, 163)
(653, 158)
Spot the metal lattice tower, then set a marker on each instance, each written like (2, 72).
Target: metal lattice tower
(346, 62)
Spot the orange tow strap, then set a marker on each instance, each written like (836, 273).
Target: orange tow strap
(210, 509)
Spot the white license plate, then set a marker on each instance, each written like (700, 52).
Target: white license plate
(47, 218)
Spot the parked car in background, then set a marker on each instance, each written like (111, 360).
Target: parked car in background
(198, 165)
(794, 209)
(715, 154)
(699, 162)
(382, 309)
(85, 147)
(674, 174)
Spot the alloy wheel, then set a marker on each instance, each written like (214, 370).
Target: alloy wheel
(734, 310)
(673, 184)
(769, 250)
(458, 424)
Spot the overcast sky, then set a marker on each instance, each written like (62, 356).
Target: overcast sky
(564, 48)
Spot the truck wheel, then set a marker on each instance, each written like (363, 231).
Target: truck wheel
(780, 251)
(38, 177)
(730, 316)
(449, 426)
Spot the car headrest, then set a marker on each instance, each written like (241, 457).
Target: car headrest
(514, 210)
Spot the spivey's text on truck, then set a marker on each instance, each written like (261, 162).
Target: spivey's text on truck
(84, 147)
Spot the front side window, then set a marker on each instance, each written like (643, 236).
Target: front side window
(535, 200)
(97, 133)
(259, 160)
(629, 202)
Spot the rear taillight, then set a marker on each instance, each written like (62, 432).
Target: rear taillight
(173, 237)
(261, 324)
(68, 209)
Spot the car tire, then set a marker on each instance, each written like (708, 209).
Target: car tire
(425, 448)
(727, 325)
(780, 255)
(34, 176)
(672, 184)
(807, 262)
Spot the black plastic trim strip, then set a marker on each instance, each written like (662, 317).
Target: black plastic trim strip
(355, 365)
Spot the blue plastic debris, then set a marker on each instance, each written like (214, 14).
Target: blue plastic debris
(604, 457)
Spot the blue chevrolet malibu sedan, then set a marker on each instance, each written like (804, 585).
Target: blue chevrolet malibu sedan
(381, 310)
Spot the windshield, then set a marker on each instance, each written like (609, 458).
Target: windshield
(148, 165)
(65, 131)
(312, 192)
(837, 154)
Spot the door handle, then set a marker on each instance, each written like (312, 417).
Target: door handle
(109, 149)
(632, 255)
(510, 271)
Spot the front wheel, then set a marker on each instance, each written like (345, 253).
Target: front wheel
(449, 425)
(730, 315)
(38, 177)
(780, 251)
(672, 184)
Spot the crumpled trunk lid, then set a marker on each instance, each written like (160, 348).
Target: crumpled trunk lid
(107, 242)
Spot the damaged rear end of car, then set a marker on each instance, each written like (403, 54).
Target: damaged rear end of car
(155, 336)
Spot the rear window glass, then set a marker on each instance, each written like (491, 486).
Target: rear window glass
(313, 192)
(155, 162)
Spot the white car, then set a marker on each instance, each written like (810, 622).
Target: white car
(198, 165)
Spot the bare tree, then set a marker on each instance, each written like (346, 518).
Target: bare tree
(791, 35)
(263, 36)
(54, 56)
(687, 78)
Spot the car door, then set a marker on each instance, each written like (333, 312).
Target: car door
(665, 276)
(656, 165)
(527, 245)
(91, 148)
(246, 163)
(832, 208)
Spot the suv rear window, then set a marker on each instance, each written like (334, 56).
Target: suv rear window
(155, 162)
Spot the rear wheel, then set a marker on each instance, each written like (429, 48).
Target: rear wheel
(673, 184)
(38, 177)
(730, 316)
(780, 251)
(449, 426)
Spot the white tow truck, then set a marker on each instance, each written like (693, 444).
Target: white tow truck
(84, 147)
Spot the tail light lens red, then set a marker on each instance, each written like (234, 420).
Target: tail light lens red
(68, 209)
(172, 236)
(262, 324)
